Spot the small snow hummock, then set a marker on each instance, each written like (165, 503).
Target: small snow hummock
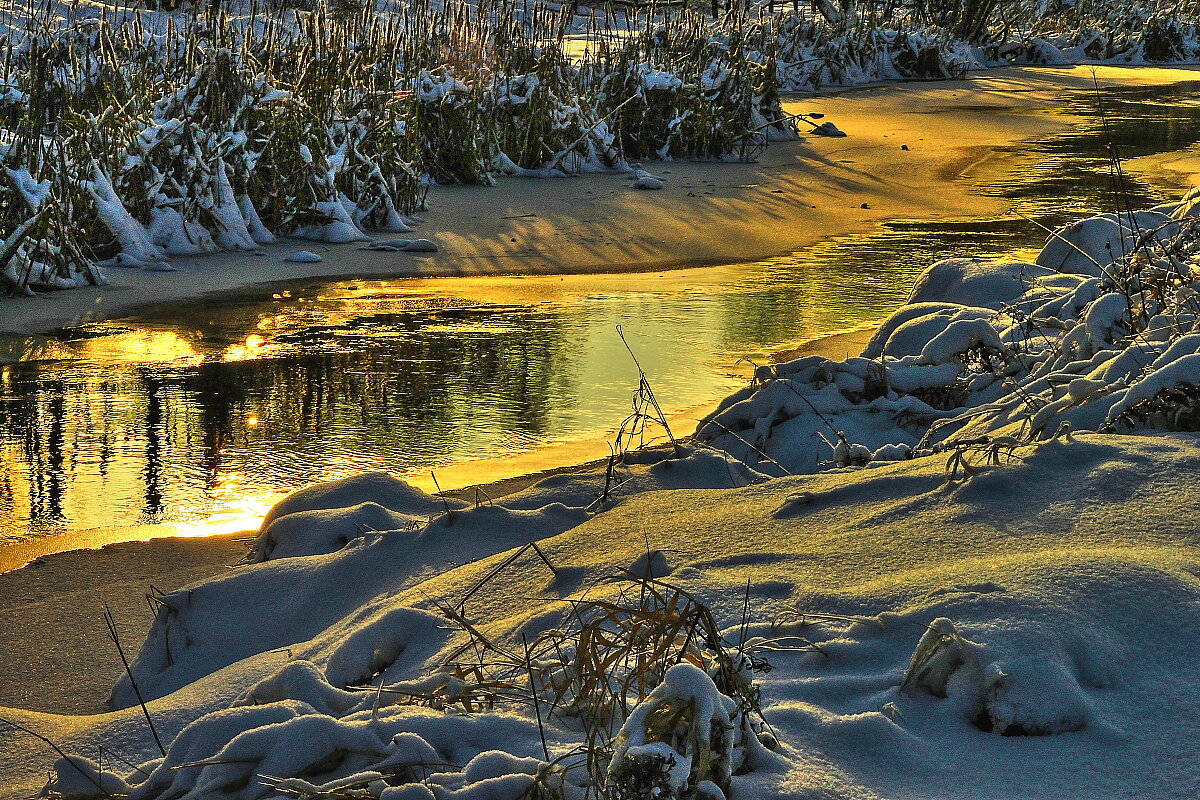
(81, 778)
(304, 257)
(650, 566)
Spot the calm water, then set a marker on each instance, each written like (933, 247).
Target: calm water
(206, 413)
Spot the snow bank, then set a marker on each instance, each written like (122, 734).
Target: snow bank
(1026, 633)
(325, 551)
(1100, 335)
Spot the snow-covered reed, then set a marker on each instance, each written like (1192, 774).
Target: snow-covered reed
(845, 43)
(127, 138)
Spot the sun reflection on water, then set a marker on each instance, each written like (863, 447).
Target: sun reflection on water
(233, 507)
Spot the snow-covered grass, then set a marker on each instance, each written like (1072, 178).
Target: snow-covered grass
(987, 590)
(130, 135)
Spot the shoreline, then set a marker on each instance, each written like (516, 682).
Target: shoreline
(61, 595)
(50, 595)
(709, 213)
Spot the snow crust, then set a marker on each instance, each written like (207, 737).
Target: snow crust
(1048, 604)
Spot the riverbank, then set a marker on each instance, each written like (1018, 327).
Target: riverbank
(902, 141)
(996, 612)
(769, 203)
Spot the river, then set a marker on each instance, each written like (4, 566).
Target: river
(197, 416)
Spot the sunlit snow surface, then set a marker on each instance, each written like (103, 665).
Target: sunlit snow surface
(1074, 591)
(989, 582)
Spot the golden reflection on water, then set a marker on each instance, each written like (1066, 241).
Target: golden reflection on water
(141, 346)
(233, 507)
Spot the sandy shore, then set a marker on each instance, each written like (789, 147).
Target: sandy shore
(796, 195)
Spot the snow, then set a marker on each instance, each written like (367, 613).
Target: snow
(652, 79)
(1091, 246)
(969, 556)
(404, 245)
(33, 192)
(653, 564)
(80, 777)
(1023, 634)
(304, 257)
(828, 129)
(135, 243)
(338, 230)
(986, 282)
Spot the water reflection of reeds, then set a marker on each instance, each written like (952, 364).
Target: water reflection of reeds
(164, 435)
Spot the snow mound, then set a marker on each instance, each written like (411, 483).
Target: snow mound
(325, 517)
(983, 282)
(378, 487)
(1092, 246)
(304, 257)
(404, 245)
(648, 182)
(1007, 624)
(989, 354)
(329, 549)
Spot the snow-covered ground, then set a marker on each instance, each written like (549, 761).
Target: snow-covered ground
(985, 589)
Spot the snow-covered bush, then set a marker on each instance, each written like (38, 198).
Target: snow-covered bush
(684, 735)
(1100, 334)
